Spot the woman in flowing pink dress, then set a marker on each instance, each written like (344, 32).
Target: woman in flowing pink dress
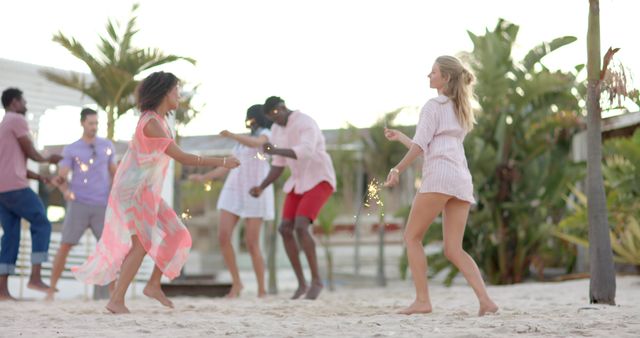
(138, 221)
(446, 180)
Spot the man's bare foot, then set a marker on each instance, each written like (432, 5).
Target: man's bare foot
(116, 308)
(416, 307)
(234, 292)
(314, 290)
(262, 294)
(302, 289)
(155, 292)
(485, 308)
(38, 285)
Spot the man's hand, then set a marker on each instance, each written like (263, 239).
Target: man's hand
(268, 148)
(255, 192)
(54, 159)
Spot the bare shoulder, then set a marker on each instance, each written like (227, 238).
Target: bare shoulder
(153, 128)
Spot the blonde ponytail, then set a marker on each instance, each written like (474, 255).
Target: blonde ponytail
(459, 88)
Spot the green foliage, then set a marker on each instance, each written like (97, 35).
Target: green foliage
(621, 171)
(114, 69)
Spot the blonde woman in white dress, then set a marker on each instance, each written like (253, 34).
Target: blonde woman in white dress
(235, 202)
(446, 181)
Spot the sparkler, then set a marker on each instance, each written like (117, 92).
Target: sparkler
(207, 186)
(371, 195)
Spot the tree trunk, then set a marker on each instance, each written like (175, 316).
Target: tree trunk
(111, 122)
(602, 288)
(327, 251)
(271, 257)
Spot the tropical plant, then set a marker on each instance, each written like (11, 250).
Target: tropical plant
(114, 70)
(621, 170)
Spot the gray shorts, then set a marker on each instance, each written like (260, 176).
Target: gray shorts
(78, 218)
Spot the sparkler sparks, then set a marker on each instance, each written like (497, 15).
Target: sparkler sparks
(372, 196)
(185, 215)
(373, 193)
(207, 186)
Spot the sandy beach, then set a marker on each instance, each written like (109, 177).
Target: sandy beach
(530, 309)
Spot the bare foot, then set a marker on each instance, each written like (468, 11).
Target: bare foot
(235, 291)
(116, 308)
(262, 294)
(314, 290)
(155, 292)
(38, 286)
(489, 307)
(50, 295)
(4, 297)
(416, 307)
(302, 289)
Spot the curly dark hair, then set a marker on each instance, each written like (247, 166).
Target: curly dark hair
(255, 113)
(153, 89)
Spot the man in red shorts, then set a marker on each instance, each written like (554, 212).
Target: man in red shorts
(299, 144)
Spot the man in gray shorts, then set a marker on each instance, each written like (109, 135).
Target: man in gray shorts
(92, 163)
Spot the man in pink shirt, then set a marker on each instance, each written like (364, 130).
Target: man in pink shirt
(17, 200)
(299, 144)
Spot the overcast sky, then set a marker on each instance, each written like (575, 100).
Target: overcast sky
(339, 61)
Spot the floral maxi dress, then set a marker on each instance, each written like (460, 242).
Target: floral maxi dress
(136, 207)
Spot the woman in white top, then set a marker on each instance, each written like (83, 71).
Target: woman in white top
(446, 180)
(235, 202)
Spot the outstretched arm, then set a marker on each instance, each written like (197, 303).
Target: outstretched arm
(30, 151)
(153, 129)
(249, 141)
(212, 175)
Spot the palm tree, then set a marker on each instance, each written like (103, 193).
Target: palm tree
(602, 287)
(114, 70)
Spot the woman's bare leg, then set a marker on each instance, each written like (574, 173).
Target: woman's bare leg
(130, 267)
(153, 288)
(456, 213)
(225, 232)
(424, 210)
(252, 238)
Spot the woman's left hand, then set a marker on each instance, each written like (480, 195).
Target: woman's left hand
(393, 178)
(226, 133)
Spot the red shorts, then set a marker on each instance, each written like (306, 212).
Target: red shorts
(308, 204)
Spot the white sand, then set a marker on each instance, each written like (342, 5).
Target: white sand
(532, 309)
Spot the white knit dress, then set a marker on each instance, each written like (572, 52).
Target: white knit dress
(440, 135)
(253, 168)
